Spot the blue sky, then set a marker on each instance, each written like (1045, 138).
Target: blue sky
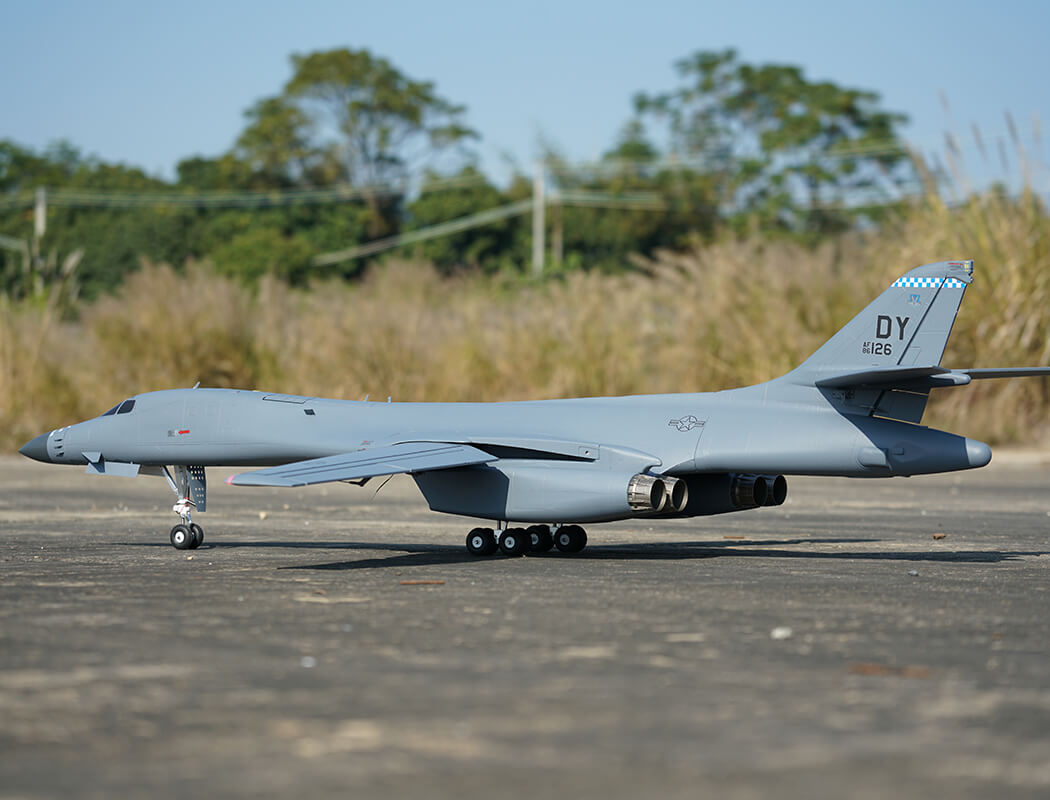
(150, 83)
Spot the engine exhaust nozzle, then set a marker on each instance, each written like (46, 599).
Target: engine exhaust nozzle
(646, 493)
(748, 491)
(776, 489)
(677, 492)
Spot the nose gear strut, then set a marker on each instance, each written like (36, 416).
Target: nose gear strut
(189, 486)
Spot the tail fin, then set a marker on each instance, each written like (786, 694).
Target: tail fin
(906, 326)
(882, 361)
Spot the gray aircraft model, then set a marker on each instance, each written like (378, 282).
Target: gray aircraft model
(852, 409)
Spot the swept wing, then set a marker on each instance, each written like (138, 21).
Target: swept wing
(407, 457)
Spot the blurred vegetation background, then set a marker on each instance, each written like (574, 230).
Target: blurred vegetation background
(737, 220)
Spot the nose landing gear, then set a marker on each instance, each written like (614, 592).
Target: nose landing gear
(187, 537)
(190, 489)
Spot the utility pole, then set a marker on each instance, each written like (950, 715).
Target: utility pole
(40, 214)
(538, 226)
(557, 234)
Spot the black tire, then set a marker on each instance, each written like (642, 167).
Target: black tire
(198, 535)
(540, 538)
(481, 542)
(182, 538)
(514, 542)
(571, 539)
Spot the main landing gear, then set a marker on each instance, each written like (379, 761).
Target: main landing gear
(189, 486)
(519, 541)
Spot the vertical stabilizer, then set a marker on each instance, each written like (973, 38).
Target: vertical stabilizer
(907, 325)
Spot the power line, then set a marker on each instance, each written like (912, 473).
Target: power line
(442, 229)
(637, 201)
(101, 198)
(121, 199)
(642, 201)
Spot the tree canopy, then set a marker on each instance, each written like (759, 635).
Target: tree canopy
(781, 146)
(734, 146)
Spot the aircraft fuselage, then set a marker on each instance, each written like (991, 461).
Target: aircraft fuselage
(734, 430)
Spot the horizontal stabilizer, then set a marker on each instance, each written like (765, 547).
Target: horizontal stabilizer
(893, 377)
(922, 378)
(410, 457)
(1008, 372)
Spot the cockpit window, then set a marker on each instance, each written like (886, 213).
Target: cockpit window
(120, 408)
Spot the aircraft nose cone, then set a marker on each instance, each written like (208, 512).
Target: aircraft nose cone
(37, 448)
(977, 453)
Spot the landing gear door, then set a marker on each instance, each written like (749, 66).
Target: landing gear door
(198, 486)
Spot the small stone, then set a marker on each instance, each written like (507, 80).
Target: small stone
(263, 515)
(939, 536)
(780, 633)
(308, 662)
(913, 572)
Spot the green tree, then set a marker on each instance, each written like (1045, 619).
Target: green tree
(797, 153)
(225, 173)
(277, 146)
(264, 251)
(605, 233)
(487, 246)
(346, 115)
(113, 240)
(22, 170)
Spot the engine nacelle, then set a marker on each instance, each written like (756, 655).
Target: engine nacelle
(551, 491)
(724, 492)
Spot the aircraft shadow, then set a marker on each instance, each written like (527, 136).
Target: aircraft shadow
(417, 555)
(439, 554)
(401, 547)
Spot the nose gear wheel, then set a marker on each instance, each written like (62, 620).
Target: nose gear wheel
(189, 487)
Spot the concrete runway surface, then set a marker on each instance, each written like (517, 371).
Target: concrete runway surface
(330, 642)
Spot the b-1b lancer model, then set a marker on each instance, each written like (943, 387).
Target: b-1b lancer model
(852, 409)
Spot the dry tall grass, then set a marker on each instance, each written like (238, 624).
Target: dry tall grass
(725, 315)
